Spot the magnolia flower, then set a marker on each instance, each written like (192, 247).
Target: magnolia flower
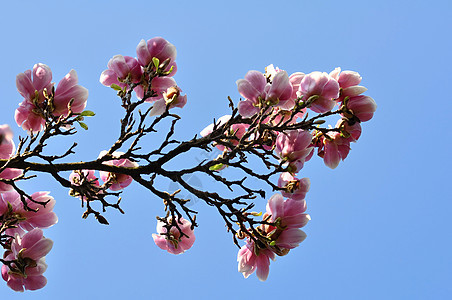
(256, 90)
(7, 149)
(33, 89)
(336, 148)
(348, 83)
(119, 69)
(7, 146)
(28, 252)
(362, 107)
(159, 48)
(287, 213)
(294, 146)
(294, 188)
(118, 181)
(322, 85)
(42, 217)
(250, 261)
(175, 243)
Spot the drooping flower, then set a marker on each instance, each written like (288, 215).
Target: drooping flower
(176, 243)
(28, 252)
(256, 90)
(362, 107)
(118, 181)
(294, 188)
(41, 217)
(335, 148)
(322, 85)
(250, 261)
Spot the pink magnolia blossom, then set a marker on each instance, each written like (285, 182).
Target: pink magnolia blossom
(31, 86)
(160, 48)
(237, 130)
(322, 85)
(353, 131)
(287, 213)
(176, 243)
(250, 261)
(294, 188)
(336, 148)
(7, 146)
(28, 251)
(256, 90)
(67, 90)
(362, 107)
(29, 114)
(295, 147)
(42, 217)
(119, 69)
(119, 181)
(171, 96)
(348, 82)
(7, 149)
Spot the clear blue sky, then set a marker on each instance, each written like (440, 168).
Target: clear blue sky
(381, 222)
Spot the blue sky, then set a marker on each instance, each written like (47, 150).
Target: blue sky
(380, 222)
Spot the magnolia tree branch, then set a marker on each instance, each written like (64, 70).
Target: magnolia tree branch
(268, 136)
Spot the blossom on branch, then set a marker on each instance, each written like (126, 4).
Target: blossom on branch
(322, 86)
(158, 48)
(174, 242)
(7, 149)
(36, 216)
(118, 181)
(27, 261)
(257, 91)
(41, 99)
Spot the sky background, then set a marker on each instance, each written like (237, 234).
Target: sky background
(381, 221)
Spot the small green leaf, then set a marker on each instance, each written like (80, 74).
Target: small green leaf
(216, 167)
(116, 87)
(87, 113)
(156, 62)
(83, 125)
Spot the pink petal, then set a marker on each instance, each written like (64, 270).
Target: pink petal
(68, 81)
(25, 85)
(42, 75)
(35, 282)
(262, 264)
(39, 249)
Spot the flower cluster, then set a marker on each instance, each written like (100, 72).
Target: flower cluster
(149, 74)
(41, 99)
(21, 220)
(280, 235)
(278, 101)
(270, 123)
